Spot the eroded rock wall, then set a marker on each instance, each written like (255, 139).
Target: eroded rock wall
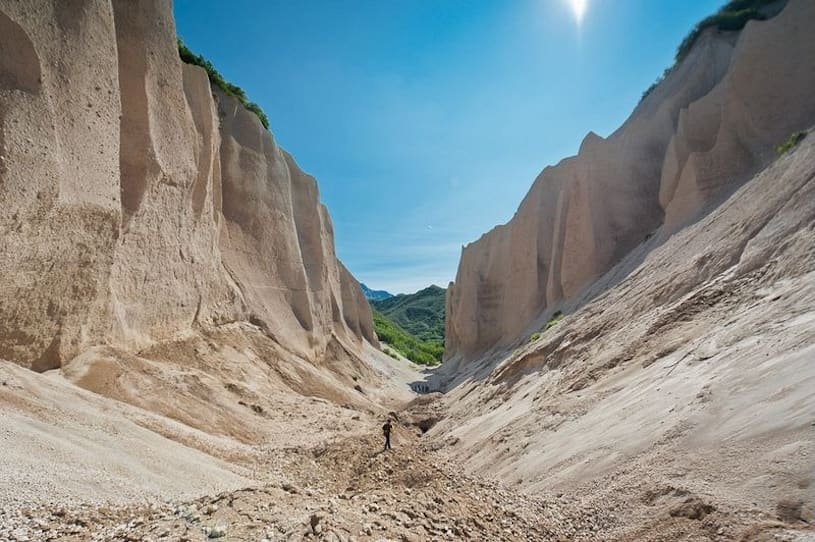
(131, 212)
(278, 241)
(167, 272)
(59, 176)
(708, 127)
(732, 132)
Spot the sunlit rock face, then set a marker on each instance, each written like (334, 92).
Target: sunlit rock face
(713, 122)
(132, 213)
(277, 240)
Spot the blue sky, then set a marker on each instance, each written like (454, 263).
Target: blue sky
(426, 121)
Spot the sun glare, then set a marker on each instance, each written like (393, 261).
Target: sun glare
(579, 8)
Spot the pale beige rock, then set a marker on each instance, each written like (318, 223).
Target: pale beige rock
(167, 274)
(132, 214)
(277, 241)
(686, 370)
(727, 135)
(712, 123)
(59, 176)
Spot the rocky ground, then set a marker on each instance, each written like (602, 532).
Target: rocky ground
(349, 489)
(346, 490)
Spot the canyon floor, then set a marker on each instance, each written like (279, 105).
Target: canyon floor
(77, 466)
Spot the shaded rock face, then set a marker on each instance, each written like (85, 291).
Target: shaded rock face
(59, 176)
(706, 129)
(132, 212)
(277, 240)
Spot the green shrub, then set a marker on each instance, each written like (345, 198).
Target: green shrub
(215, 78)
(791, 142)
(255, 108)
(420, 314)
(656, 83)
(390, 353)
(731, 17)
(554, 320)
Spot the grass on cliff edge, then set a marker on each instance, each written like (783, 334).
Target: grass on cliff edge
(731, 17)
(417, 351)
(553, 321)
(215, 78)
(791, 142)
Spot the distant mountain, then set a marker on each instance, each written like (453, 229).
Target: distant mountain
(420, 314)
(375, 295)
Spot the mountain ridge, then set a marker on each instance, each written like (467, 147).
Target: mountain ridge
(413, 324)
(421, 313)
(374, 295)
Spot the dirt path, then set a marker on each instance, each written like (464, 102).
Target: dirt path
(346, 490)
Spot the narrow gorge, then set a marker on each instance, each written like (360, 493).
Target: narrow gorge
(184, 357)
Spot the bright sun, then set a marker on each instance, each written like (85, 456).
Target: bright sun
(579, 8)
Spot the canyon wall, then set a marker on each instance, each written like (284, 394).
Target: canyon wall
(140, 204)
(713, 122)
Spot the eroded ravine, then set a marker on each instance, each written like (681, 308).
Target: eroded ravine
(185, 358)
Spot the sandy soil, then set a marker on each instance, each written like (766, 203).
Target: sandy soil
(113, 427)
(345, 489)
(349, 489)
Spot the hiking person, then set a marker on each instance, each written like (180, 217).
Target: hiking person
(386, 429)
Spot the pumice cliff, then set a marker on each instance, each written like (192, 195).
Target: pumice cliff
(277, 240)
(702, 132)
(140, 205)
